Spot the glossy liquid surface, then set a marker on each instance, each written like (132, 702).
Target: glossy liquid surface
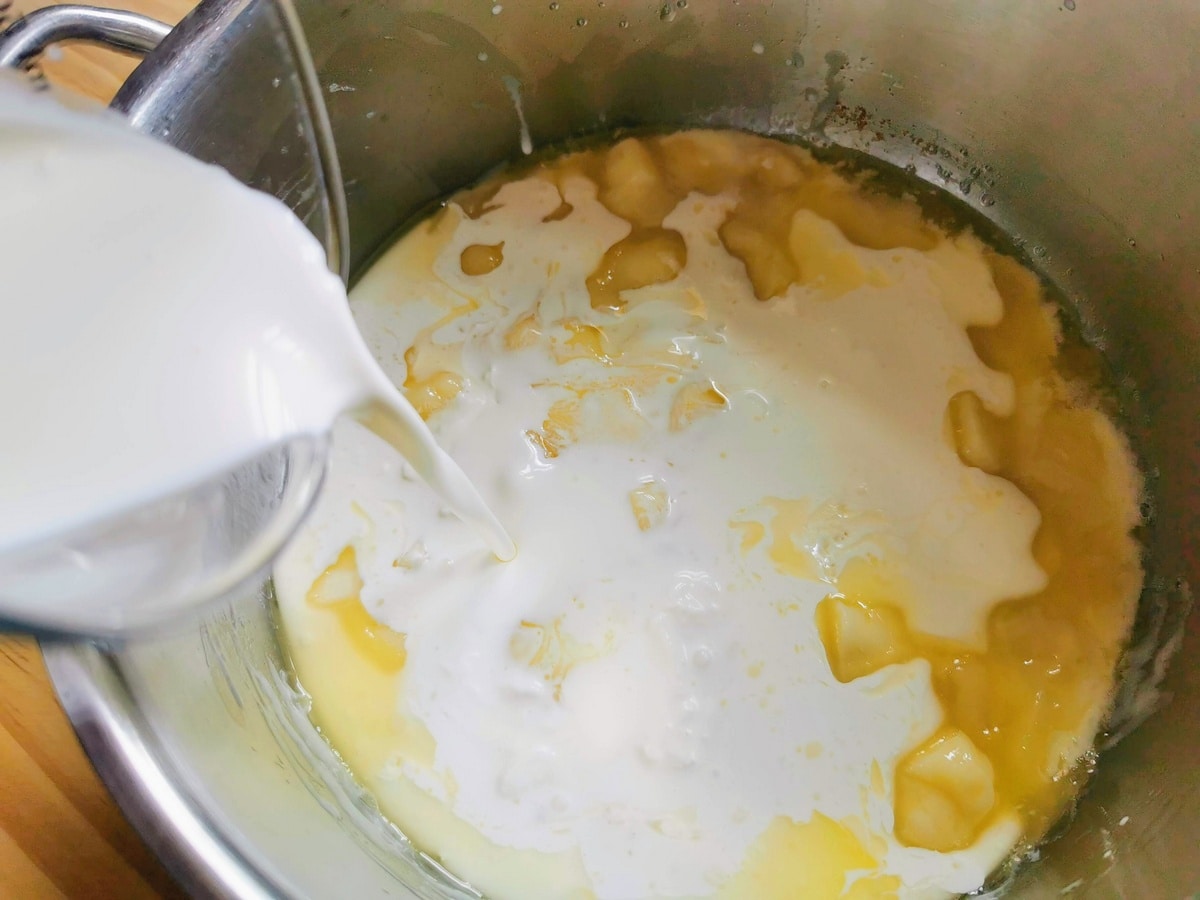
(826, 558)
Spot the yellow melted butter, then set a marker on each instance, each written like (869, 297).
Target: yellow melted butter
(650, 503)
(553, 651)
(433, 381)
(1032, 697)
(480, 259)
(816, 860)
(354, 675)
(356, 667)
(1018, 714)
(337, 590)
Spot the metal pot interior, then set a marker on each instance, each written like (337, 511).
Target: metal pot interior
(1072, 127)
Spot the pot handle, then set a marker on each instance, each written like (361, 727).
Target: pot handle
(113, 28)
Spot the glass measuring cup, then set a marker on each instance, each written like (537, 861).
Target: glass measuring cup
(139, 569)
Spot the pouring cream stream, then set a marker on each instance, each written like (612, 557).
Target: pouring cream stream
(164, 325)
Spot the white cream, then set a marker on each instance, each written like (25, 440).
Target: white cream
(164, 323)
(683, 699)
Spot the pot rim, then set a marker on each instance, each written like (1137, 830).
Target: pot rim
(121, 745)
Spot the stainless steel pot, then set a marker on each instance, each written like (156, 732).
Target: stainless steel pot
(1072, 124)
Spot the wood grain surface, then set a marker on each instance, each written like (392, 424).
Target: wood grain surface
(61, 834)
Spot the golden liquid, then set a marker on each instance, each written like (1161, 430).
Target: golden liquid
(479, 259)
(1014, 710)
(1050, 658)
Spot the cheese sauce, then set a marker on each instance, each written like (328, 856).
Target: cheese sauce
(825, 562)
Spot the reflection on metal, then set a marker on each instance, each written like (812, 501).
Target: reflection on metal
(337, 236)
(114, 28)
(1075, 131)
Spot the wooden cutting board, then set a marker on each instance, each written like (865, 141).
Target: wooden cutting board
(61, 834)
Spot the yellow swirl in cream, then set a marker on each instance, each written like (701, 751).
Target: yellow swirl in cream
(824, 555)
